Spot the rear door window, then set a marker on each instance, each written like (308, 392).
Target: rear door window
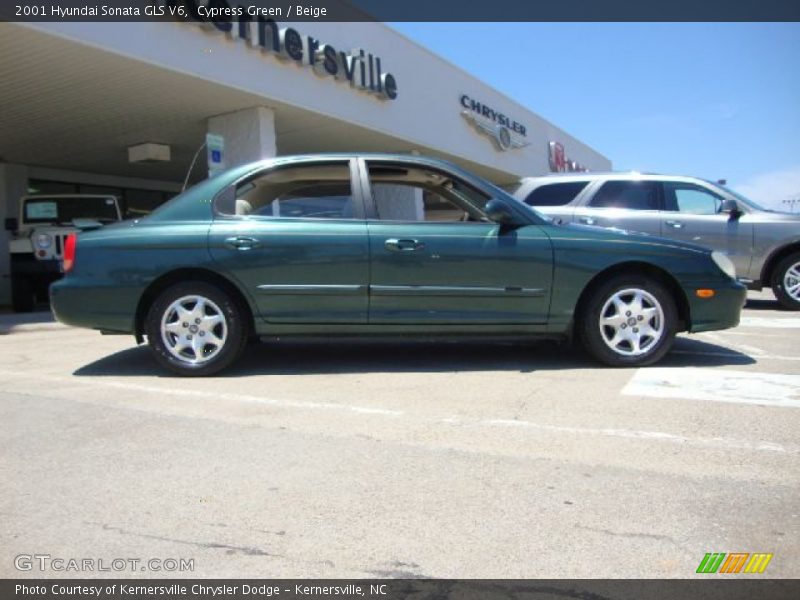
(634, 195)
(555, 194)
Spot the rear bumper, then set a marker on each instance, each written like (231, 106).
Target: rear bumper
(722, 311)
(93, 307)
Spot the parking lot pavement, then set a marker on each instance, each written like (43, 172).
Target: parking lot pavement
(381, 459)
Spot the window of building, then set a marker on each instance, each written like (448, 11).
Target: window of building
(555, 194)
(139, 203)
(635, 195)
(133, 202)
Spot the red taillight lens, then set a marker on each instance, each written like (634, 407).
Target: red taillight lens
(69, 251)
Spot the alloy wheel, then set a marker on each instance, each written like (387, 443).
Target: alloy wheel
(631, 322)
(194, 329)
(791, 281)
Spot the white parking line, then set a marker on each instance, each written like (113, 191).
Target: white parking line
(716, 385)
(770, 323)
(457, 421)
(652, 435)
(743, 355)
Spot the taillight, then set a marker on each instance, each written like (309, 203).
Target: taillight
(69, 251)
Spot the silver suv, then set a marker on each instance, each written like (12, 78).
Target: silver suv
(764, 245)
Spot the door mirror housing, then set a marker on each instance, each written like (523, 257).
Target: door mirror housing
(11, 224)
(500, 212)
(730, 207)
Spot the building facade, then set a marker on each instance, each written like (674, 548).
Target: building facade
(124, 108)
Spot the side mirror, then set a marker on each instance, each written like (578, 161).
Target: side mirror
(11, 224)
(499, 212)
(730, 207)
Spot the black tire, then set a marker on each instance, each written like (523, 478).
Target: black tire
(22, 296)
(235, 329)
(653, 349)
(779, 279)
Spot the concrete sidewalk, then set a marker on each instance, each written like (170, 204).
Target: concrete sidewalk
(22, 322)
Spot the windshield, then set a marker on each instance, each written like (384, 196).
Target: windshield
(739, 197)
(64, 209)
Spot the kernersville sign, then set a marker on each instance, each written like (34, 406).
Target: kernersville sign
(361, 69)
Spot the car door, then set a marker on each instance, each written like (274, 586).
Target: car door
(632, 204)
(297, 242)
(692, 214)
(435, 259)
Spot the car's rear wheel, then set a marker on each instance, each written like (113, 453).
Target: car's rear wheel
(195, 329)
(786, 282)
(629, 321)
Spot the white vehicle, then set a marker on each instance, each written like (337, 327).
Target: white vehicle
(37, 245)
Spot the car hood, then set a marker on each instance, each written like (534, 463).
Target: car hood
(766, 216)
(614, 234)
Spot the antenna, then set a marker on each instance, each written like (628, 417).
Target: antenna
(191, 166)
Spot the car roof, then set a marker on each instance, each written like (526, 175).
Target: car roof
(605, 175)
(405, 157)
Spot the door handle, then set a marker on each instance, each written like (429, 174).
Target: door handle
(396, 245)
(588, 220)
(241, 242)
(674, 224)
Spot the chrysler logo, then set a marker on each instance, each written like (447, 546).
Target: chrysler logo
(504, 131)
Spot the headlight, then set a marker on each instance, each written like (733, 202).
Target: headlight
(43, 241)
(724, 263)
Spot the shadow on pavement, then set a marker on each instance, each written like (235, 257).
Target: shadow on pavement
(11, 321)
(314, 357)
(764, 304)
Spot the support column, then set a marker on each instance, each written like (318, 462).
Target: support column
(13, 185)
(249, 134)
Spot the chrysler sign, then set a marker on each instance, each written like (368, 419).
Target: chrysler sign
(503, 130)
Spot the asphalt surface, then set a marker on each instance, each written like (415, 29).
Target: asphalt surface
(402, 460)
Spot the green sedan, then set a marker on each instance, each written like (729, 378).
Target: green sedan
(375, 245)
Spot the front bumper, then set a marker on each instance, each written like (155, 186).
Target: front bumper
(722, 311)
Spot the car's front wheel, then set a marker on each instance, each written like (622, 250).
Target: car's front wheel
(195, 329)
(630, 321)
(786, 282)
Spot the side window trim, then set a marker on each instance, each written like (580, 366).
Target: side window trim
(372, 208)
(227, 196)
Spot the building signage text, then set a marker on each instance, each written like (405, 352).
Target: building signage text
(560, 163)
(361, 69)
(506, 132)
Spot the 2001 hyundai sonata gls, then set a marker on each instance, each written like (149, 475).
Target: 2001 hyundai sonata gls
(379, 244)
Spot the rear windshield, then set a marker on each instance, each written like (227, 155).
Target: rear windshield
(555, 194)
(65, 209)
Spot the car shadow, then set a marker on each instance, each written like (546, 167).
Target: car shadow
(10, 321)
(764, 304)
(339, 357)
